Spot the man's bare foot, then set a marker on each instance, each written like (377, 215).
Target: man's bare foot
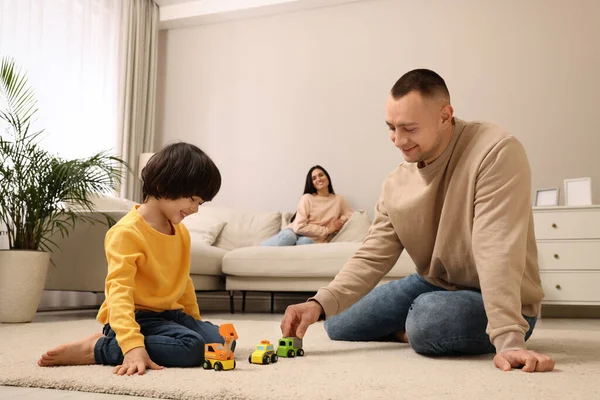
(401, 337)
(80, 352)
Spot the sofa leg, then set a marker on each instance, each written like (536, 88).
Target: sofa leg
(244, 301)
(231, 304)
(272, 302)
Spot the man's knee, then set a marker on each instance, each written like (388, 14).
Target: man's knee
(425, 323)
(334, 329)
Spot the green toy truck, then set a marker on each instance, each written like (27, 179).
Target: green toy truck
(290, 347)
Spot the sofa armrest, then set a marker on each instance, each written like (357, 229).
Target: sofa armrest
(79, 264)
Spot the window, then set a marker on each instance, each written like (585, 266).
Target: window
(70, 52)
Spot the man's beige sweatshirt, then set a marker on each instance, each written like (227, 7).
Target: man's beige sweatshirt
(466, 221)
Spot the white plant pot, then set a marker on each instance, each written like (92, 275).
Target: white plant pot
(22, 280)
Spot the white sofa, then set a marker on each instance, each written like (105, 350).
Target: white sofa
(225, 254)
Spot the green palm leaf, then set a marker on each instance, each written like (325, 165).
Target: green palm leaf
(42, 194)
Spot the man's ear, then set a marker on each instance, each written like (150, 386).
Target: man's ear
(447, 114)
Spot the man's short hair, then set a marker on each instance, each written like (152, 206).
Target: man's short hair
(426, 82)
(181, 170)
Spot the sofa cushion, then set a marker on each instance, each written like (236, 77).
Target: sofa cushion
(355, 230)
(316, 260)
(245, 229)
(286, 216)
(203, 229)
(206, 260)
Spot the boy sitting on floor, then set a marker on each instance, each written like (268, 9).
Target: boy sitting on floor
(150, 315)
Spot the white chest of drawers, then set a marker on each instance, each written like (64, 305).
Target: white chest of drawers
(568, 240)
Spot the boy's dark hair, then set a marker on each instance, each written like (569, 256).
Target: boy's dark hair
(424, 81)
(181, 170)
(309, 187)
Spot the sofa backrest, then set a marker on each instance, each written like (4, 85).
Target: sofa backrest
(242, 228)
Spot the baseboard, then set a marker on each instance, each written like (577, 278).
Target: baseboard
(585, 312)
(256, 302)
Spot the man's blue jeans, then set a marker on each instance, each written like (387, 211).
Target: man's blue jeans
(437, 321)
(172, 339)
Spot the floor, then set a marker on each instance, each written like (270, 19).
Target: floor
(11, 393)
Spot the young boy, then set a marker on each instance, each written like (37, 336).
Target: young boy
(150, 315)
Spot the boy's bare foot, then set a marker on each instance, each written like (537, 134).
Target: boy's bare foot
(80, 352)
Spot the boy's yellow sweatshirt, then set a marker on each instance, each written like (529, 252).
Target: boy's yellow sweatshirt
(147, 270)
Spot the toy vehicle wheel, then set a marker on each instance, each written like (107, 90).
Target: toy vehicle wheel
(291, 353)
(206, 364)
(250, 359)
(274, 358)
(266, 360)
(234, 364)
(218, 366)
(300, 353)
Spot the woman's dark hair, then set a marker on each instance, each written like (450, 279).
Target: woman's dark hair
(309, 187)
(181, 170)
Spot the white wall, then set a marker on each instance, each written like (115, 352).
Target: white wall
(271, 96)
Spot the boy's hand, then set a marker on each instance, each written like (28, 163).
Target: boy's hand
(136, 360)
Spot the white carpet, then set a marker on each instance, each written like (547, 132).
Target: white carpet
(330, 370)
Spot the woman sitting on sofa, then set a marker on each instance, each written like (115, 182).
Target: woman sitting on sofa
(320, 214)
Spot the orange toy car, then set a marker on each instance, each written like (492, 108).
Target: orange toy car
(220, 356)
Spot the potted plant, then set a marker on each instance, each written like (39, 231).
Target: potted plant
(40, 194)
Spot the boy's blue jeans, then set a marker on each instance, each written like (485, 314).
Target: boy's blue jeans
(437, 322)
(172, 339)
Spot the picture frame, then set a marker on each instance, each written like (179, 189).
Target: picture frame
(578, 192)
(546, 197)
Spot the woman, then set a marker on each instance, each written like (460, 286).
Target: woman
(320, 214)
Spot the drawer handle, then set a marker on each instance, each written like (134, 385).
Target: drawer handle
(558, 287)
(556, 256)
(554, 226)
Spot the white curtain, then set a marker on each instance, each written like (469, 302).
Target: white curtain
(70, 51)
(137, 88)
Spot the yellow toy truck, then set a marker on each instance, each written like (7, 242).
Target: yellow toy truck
(264, 354)
(220, 356)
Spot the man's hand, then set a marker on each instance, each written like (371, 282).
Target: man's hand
(530, 360)
(299, 317)
(136, 360)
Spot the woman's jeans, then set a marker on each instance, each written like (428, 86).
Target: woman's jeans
(287, 237)
(437, 321)
(172, 339)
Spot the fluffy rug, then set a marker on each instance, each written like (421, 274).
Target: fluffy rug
(330, 370)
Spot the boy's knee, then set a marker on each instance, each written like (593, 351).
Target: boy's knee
(195, 351)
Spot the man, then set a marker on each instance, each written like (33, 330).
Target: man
(460, 206)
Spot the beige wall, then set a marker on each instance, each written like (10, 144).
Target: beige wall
(269, 97)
